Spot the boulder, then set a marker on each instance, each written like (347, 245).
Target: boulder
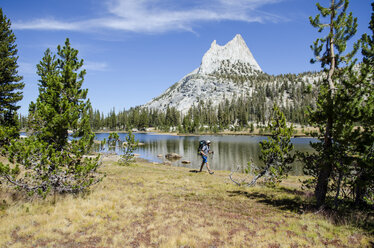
(186, 162)
(173, 156)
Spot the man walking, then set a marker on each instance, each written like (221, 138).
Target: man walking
(205, 150)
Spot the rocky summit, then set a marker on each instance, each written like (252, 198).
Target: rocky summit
(235, 51)
(225, 73)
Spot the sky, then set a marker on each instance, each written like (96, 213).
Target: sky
(133, 50)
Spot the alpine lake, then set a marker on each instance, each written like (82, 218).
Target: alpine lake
(230, 151)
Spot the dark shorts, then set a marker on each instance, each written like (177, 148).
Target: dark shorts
(205, 159)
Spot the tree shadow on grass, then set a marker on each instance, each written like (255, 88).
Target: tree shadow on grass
(9, 197)
(362, 218)
(295, 204)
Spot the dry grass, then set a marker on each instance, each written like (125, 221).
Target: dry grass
(151, 205)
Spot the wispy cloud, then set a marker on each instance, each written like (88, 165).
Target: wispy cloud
(46, 24)
(155, 16)
(95, 66)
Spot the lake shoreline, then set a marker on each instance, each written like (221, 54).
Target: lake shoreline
(230, 151)
(299, 133)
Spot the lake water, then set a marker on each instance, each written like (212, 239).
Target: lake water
(230, 151)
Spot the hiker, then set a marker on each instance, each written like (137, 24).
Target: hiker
(204, 151)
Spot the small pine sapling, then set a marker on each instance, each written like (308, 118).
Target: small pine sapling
(129, 146)
(276, 150)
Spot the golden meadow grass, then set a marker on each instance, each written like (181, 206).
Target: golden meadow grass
(152, 205)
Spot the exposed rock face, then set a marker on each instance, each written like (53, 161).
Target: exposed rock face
(206, 82)
(234, 51)
(226, 72)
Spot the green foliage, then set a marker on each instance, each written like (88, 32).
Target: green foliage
(48, 161)
(10, 85)
(113, 139)
(328, 115)
(343, 112)
(61, 105)
(7, 134)
(38, 168)
(129, 146)
(341, 28)
(276, 150)
(368, 45)
(362, 111)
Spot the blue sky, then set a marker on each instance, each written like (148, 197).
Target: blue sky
(135, 49)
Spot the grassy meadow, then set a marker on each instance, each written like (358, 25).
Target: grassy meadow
(155, 205)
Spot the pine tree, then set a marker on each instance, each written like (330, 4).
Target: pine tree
(10, 85)
(275, 151)
(364, 143)
(129, 146)
(53, 163)
(329, 52)
(368, 45)
(61, 105)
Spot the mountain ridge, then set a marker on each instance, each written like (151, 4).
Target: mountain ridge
(226, 73)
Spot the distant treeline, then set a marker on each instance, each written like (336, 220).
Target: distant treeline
(289, 91)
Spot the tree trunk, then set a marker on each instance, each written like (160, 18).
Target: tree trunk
(254, 180)
(360, 189)
(338, 189)
(326, 167)
(322, 183)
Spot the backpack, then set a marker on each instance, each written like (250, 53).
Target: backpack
(202, 143)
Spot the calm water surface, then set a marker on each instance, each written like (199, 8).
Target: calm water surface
(230, 151)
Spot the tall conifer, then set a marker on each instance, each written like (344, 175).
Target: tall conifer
(364, 144)
(10, 81)
(329, 51)
(51, 161)
(61, 105)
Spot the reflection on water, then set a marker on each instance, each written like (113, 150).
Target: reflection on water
(230, 151)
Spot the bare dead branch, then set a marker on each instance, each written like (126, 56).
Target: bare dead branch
(230, 176)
